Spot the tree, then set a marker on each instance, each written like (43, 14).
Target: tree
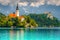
(10, 23)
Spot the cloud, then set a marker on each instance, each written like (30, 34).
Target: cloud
(13, 2)
(53, 2)
(23, 3)
(4, 2)
(38, 3)
(33, 3)
(9, 2)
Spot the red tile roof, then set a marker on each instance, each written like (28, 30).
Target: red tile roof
(12, 15)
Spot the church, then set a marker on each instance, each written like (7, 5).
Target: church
(16, 14)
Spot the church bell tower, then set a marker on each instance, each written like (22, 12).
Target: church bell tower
(17, 11)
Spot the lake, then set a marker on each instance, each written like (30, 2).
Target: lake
(30, 34)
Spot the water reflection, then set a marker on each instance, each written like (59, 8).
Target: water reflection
(17, 35)
(30, 34)
(11, 34)
(22, 34)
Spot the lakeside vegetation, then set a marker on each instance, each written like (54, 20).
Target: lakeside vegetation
(31, 20)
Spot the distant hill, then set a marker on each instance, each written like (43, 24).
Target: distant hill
(45, 20)
(2, 15)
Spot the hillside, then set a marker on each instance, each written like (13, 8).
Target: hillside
(45, 20)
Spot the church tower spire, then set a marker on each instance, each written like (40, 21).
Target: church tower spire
(17, 10)
(17, 7)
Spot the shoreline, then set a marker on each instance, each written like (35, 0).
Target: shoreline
(34, 28)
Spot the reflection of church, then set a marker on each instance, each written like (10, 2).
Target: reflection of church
(16, 14)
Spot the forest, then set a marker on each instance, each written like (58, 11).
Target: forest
(43, 21)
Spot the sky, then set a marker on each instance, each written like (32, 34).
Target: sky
(31, 6)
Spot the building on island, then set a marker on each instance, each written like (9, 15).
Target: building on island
(16, 14)
(49, 15)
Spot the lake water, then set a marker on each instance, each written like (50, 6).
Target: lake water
(33, 34)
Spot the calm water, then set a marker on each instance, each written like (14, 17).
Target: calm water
(34, 34)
